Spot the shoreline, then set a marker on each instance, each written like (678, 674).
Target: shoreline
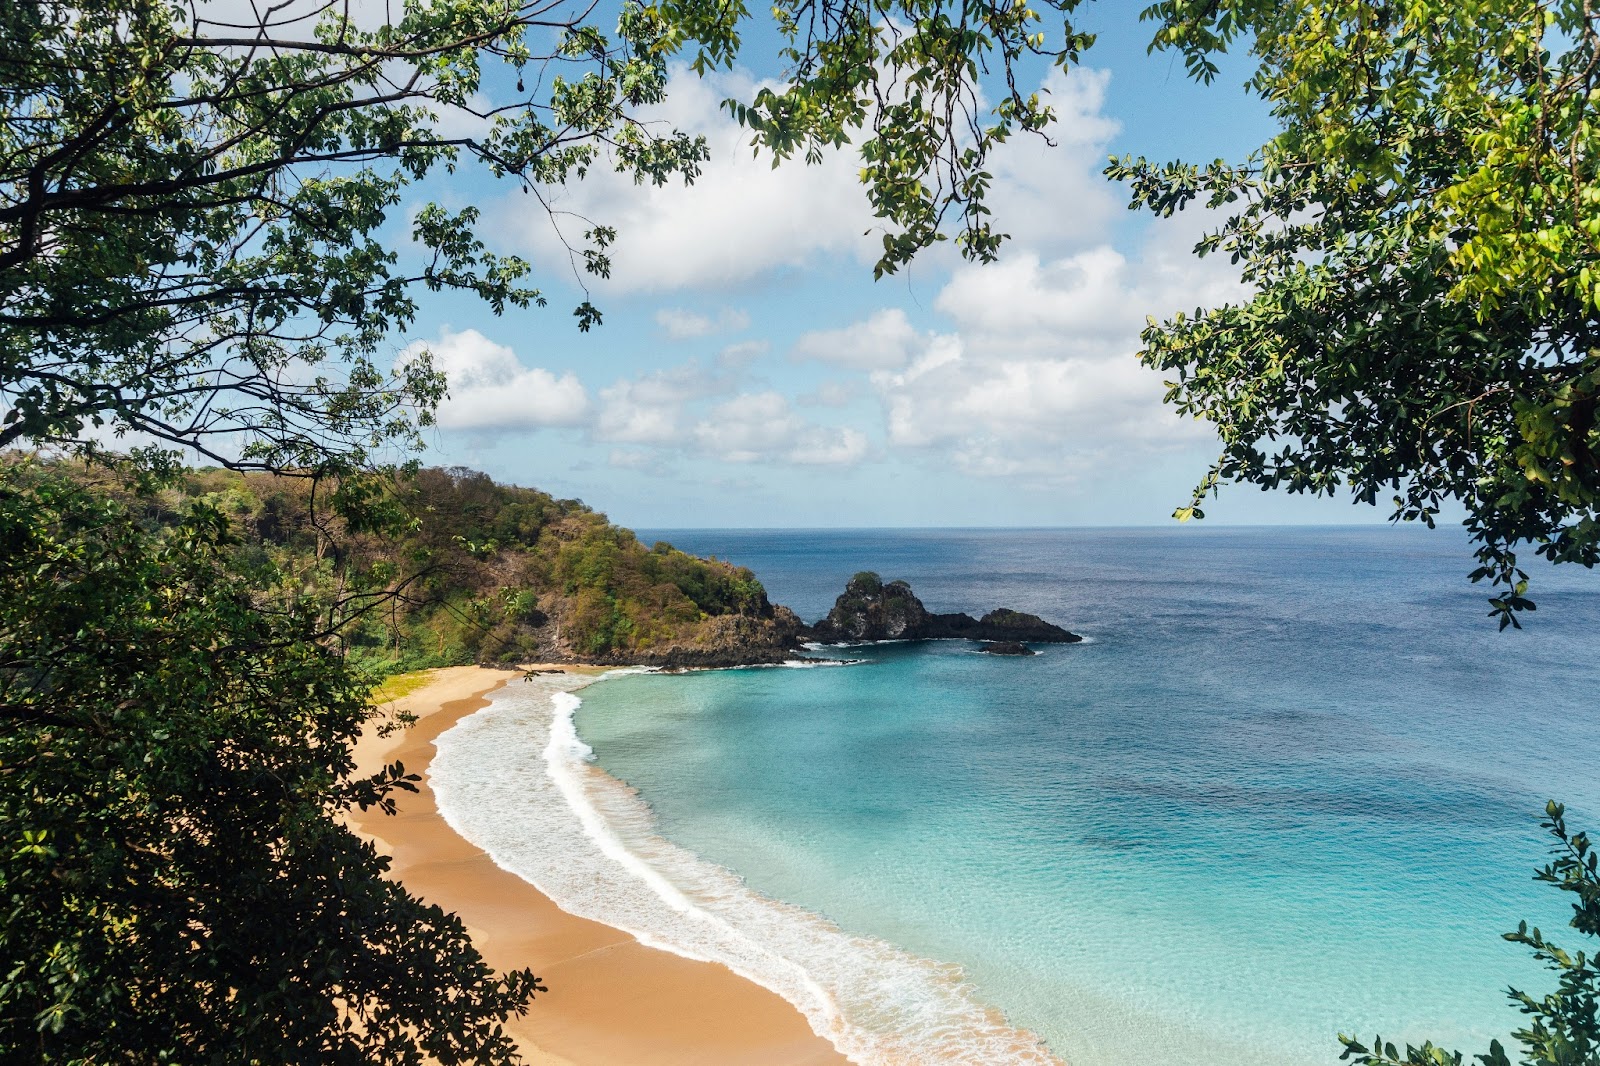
(612, 1000)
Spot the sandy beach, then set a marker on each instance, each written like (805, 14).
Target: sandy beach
(612, 1001)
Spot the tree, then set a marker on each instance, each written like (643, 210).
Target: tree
(174, 752)
(1422, 238)
(1564, 1027)
(197, 247)
(193, 211)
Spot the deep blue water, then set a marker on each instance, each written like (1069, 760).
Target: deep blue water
(1290, 786)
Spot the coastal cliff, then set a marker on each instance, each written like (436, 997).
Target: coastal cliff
(493, 574)
(498, 574)
(870, 609)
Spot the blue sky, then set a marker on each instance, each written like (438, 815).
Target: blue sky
(750, 372)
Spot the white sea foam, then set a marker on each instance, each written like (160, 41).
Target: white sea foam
(517, 780)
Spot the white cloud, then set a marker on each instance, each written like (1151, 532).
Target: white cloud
(643, 460)
(748, 427)
(469, 121)
(742, 354)
(1052, 195)
(288, 18)
(755, 427)
(884, 340)
(650, 409)
(743, 218)
(740, 219)
(491, 389)
(829, 446)
(1039, 376)
(829, 394)
(1082, 299)
(680, 324)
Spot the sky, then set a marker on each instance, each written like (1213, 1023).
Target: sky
(750, 373)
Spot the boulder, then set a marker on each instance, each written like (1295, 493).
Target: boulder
(871, 609)
(868, 609)
(1007, 647)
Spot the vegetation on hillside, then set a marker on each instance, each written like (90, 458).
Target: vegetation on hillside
(480, 572)
(175, 882)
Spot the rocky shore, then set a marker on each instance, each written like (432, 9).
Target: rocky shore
(869, 609)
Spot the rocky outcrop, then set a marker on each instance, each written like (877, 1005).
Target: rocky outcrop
(773, 636)
(870, 609)
(1007, 647)
(1004, 624)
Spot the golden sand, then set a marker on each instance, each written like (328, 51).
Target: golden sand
(612, 1001)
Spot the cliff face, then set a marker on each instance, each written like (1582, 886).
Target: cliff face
(869, 609)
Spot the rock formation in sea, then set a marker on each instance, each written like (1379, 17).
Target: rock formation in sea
(1007, 647)
(870, 609)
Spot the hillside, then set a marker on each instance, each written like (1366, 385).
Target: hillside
(496, 574)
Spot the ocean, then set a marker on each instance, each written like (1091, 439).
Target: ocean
(1289, 786)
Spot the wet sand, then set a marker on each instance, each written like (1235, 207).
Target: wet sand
(612, 1001)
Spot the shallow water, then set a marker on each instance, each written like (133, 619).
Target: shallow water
(1291, 786)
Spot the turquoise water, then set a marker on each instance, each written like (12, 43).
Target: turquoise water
(1290, 786)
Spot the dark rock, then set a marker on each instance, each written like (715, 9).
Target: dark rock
(1006, 624)
(1007, 647)
(869, 609)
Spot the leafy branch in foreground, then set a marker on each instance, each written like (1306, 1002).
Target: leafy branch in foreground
(1564, 1026)
(175, 882)
(198, 216)
(1422, 242)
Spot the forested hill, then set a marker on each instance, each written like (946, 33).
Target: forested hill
(496, 574)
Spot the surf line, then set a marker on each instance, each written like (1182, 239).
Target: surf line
(596, 852)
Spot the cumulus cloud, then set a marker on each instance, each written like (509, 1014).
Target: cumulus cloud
(490, 389)
(469, 121)
(679, 324)
(742, 354)
(650, 409)
(1053, 196)
(743, 219)
(882, 341)
(643, 460)
(748, 427)
(1038, 377)
(651, 420)
(296, 18)
(740, 219)
(754, 427)
(829, 394)
(829, 446)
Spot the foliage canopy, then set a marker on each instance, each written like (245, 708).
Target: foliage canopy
(1422, 238)
(198, 203)
(175, 751)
